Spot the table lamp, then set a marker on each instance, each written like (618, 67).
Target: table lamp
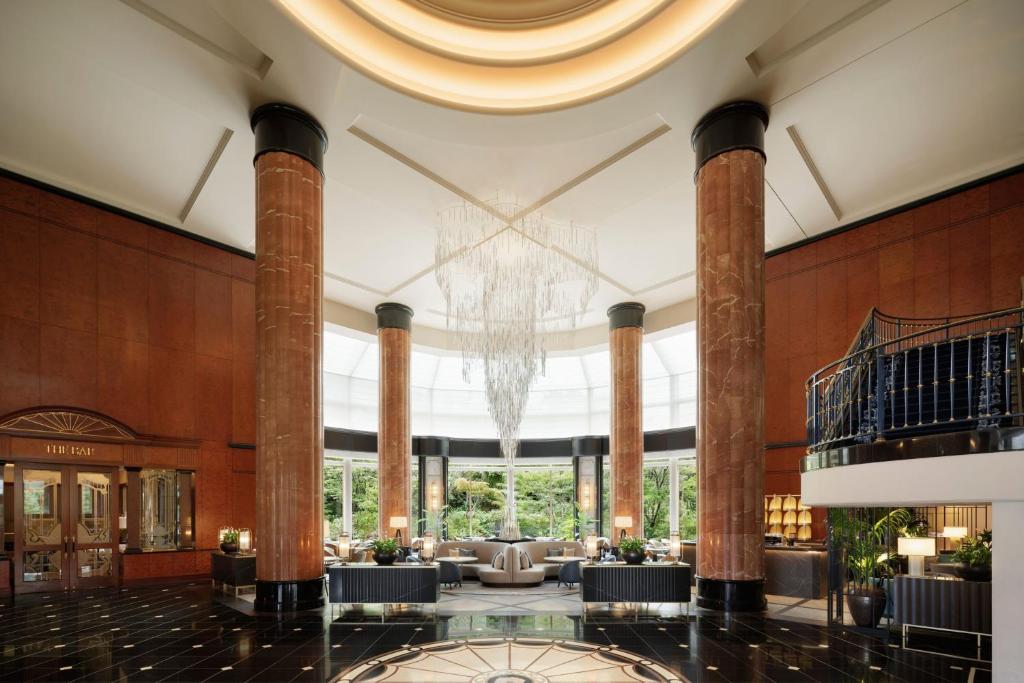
(954, 532)
(623, 523)
(916, 549)
(427, 549)
(399, 523)
(675, 546)
(344, 547)
(245, 540)
(591, 547)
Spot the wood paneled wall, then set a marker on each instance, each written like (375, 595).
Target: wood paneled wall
(156, 330)
(961, 254)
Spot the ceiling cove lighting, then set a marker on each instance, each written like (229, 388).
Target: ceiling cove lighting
(519, 57)
(507, 278)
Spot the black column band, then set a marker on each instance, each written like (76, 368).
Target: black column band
(737, 125)
(284, 128)
(393, 315)
(289, 596)
(628, 314)
(731, 596)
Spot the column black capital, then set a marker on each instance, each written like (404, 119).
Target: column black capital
(393, 315)
(626, 314)
(284, 128)
(736, 125)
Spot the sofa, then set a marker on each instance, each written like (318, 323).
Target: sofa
(484, 551)
(538, 550)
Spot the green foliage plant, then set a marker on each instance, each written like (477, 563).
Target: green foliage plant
(230, 537)
(631, 544)
(976, 551)
(385, 546)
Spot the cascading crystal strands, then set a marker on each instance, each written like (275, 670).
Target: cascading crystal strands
(508, 280)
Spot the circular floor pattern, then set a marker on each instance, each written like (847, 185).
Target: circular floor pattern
(509, 660)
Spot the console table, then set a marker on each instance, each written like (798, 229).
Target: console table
(237, 570)
(372, 583)
(943, 603)
(621, 582)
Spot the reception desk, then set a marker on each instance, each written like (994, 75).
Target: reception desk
(799, 571)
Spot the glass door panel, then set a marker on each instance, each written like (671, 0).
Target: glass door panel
(40, 537)
(94, 511)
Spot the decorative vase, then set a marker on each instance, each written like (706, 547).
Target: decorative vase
(866, 606)
(229, 548)
(385, 559)
(633, 557)
(973, 572)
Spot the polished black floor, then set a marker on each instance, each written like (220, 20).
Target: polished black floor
(190, 633)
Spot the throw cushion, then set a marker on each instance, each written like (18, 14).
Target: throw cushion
(499, 561)
(524, 560)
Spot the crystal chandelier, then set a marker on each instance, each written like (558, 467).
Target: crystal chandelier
(509, 279)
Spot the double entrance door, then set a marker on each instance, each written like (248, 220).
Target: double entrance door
(66, 530)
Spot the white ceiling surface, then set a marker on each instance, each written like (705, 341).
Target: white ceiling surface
(892, 100)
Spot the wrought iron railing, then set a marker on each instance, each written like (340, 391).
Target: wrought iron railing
(904, 377)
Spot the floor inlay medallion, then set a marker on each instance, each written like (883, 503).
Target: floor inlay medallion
(508, 660)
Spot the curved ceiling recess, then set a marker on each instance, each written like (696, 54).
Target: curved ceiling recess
(508, 57)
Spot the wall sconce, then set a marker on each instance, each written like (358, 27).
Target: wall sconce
(427, 551)
(344, 548)
(675, 547)
(244, 540)
(591, 547)
(776, 503)
(789, 503)
(399, 523)
(916, 549)
(623, 523)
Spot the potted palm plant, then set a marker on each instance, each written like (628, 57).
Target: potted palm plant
(632, 550)
(385, 551)
(974, 558)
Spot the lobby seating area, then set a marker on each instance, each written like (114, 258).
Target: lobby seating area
(506, 341)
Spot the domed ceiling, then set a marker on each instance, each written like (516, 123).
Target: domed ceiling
(507, 57)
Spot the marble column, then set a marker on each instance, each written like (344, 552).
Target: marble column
(394, 434)
(729, 143)
(289, 428)
(626, 437)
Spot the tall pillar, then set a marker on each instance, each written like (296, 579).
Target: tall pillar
(394, 434)
(729, 142)
(626, 447)
(133, 511)
(289, 289)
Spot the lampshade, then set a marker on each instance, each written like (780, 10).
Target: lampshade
(917, 547)
(675, 547)
(789, 531)
(775, 517)
(625, 522)
(789, 503)
(804, 517)
(427, 550)
(775, 530)
(122, 522)
(344, 547)
(244, 540)
(776, 503)
(803, 533)
(803, 507)
(591, 545)
(954, 532)
(789, 517)
(399, 523)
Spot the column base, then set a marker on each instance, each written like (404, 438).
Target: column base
(731, 595)
(289, 596)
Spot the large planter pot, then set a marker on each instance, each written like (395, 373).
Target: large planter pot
(866, 606)
(632, 557)
(229, 548)
(385, 559)
(972, 572)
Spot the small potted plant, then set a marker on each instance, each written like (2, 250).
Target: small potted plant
(974, 558)
(385, 551)
(229, 541)
(632, 550)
